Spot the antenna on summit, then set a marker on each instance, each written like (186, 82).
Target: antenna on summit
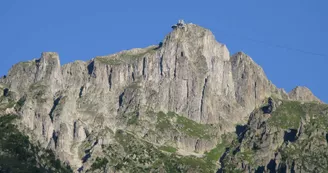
(180, 24)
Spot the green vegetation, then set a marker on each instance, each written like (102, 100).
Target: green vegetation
(84, 146)
(99, 163)
(192, 128)
(20, 103)
(299, 151)
(131, 154)
(215, 154)
(131, 117)
(17, 154)
(133, 120)
(163, 122)
(6, 102)
(315, 131)
(109, 61)
(231, 168)
(168, 149)
(27, 63)
(288, 115)
(318, 114)
(186, 164)
(4, 106)
(126, 57)
(189, 127)
(246, 155)
(309, 149)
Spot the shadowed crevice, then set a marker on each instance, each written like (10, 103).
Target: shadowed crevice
(292, 169)
(221, 160)
(260, 169)
(272, 166)
(110, 78)
(81, 92)
(74, 129)
(160, 44)
(240, 132)
(236, 150)
(282, 168)
(133, 78)
(120, 99)
(161, 65)
(6, 92)
(203, 95)
(290, 135)
(86, 157)
(56, 102)
(55, 138)
(91, 67)
(80, 169)
(144, 64)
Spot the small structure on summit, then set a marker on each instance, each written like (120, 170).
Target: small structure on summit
(180, 24)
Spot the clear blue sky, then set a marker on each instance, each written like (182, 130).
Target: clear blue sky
(81, 30)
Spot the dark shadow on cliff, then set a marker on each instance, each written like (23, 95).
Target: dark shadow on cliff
(282, 168)
(6, 92)
(272, 166)
(260, 169)
(222, 159)
(268, 108)
(240, 131)
(290, 135)
(55, 104)
(91, 67)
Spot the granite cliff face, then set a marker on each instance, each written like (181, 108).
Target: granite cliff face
(177, 97)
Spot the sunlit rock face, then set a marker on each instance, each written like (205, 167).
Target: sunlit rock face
(78, 108)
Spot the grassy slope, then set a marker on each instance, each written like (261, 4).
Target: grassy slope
(130, 153)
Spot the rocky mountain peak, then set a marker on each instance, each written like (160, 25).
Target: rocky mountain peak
(190, 30)
(185, 93)
(302, 93)
(50, 56)
(193, 39)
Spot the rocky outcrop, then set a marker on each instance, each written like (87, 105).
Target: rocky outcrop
(77, 108)
(301, 93)
(251, 84)
(291, 138)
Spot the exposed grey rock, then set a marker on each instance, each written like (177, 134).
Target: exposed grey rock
(78, 108)
(301, 93)
(282, 141)
(251, 83)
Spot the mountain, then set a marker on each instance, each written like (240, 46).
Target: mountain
(172, 107)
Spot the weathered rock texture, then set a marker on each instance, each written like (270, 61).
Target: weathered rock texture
(291, 138)
(76, 109)
(302, 94)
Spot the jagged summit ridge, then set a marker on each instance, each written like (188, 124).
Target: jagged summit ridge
(190, 74)
(302, 93)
